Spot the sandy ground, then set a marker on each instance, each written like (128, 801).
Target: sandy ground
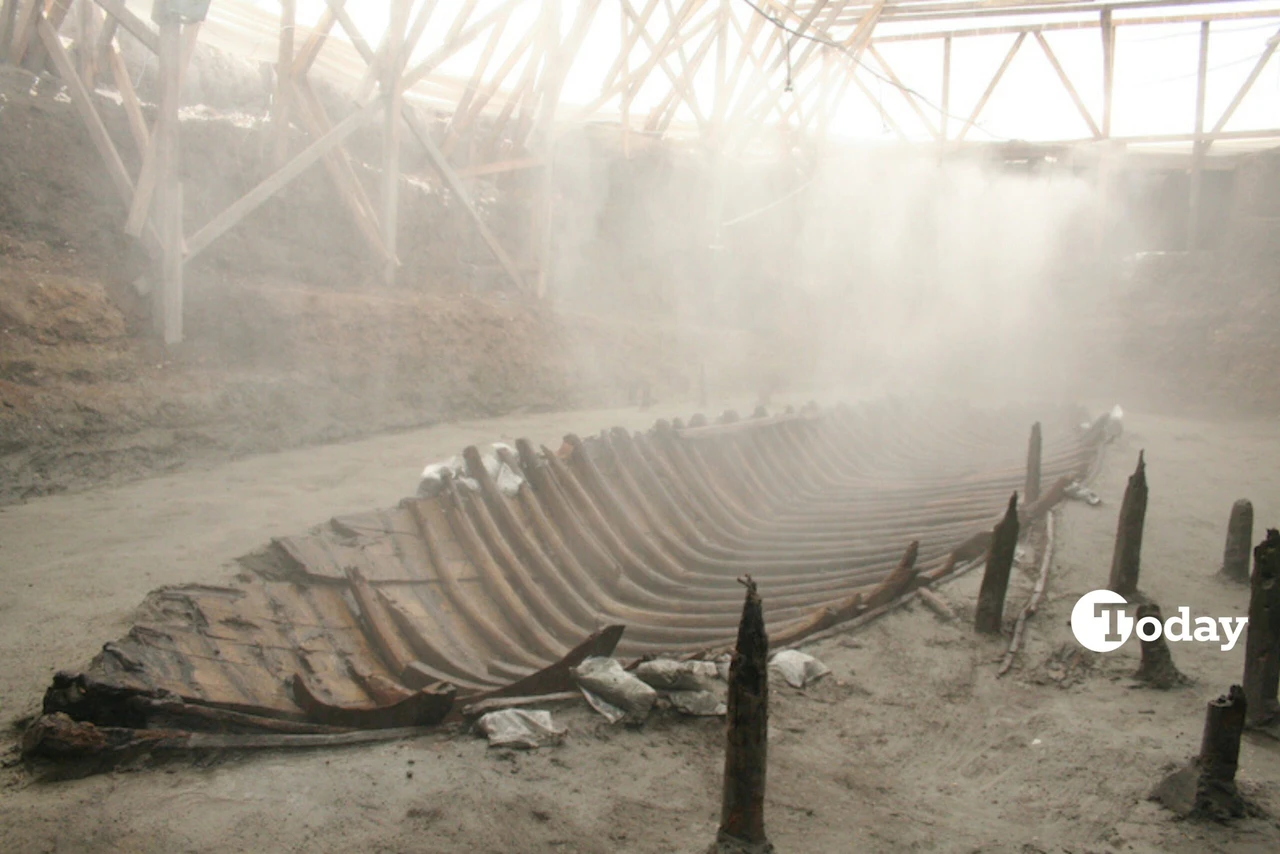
(912, 745)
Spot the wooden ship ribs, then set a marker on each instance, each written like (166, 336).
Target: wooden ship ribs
(527, 560)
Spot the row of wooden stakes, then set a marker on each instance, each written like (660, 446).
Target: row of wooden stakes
(1212, 791)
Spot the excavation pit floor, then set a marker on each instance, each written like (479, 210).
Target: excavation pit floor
(913, 743)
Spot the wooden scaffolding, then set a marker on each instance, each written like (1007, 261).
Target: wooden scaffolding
(726, 71)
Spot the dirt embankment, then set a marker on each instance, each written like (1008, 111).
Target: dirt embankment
(1198, 329)
(289, 341)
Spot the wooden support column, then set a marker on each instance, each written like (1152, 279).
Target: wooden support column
(989, 618)
(991, 87)
(1262, 638)
(393, 96)
(55, 12)
(8, 22)
(1216, 794)
(1205, 787)
(1031, 493)
(946, 91)
(1200, 145)
(87, 24)
(1108, 69)
(1235, 556)
(167, 299)
(280, 101)
(747, 742)
(24, 29)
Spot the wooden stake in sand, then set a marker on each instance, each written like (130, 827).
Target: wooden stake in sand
(1127, 559)
(1262, 641)
(1206, 786)
(1216, 794)
(1031, 493)
(1235, 557)
(746, 751)
(995, 581)
(1157, 668)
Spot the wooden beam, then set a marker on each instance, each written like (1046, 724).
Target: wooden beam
(771, 97)
(866, 26)
(28, 23)
(137, 27)
(84, 105)
(151, 174)
(624, 56)
(462, 112)
(748, 38)
(628, 43)
(1263, 59)
(393, 95)
(87, 26)
(1066, 83)
(284, 84)
(1088, 24)
(720, 93)
(357, 39)
(676, 79)
(991, 87)
(684, 86)
(1108, 69)
(906, 95)
(338, 164)
(459, 189)
(129, 99)
(514, 165)
(148, 177)
(1200, 145)
(904, 14)
(105, 39)
(457, 43)
(169, 203)
(488, 90)
(523, 86)
(946, 90)
(272, 184)
(540, 133)
(55, 12)
(675, 34)
(306, 57)
(8, 23)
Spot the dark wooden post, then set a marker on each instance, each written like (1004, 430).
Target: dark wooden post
(746, 751)
(1157, 668)
(1216, 794)
(1032, 491)
(1127, 559)
(995, 581)
(1262, 641)
(1235, 557)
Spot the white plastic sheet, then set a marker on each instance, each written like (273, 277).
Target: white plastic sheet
(605, 679)
(798, 668)
(520, 728)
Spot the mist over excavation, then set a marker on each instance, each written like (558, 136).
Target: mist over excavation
(716, 427)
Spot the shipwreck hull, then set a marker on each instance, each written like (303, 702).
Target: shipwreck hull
(529, 560)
